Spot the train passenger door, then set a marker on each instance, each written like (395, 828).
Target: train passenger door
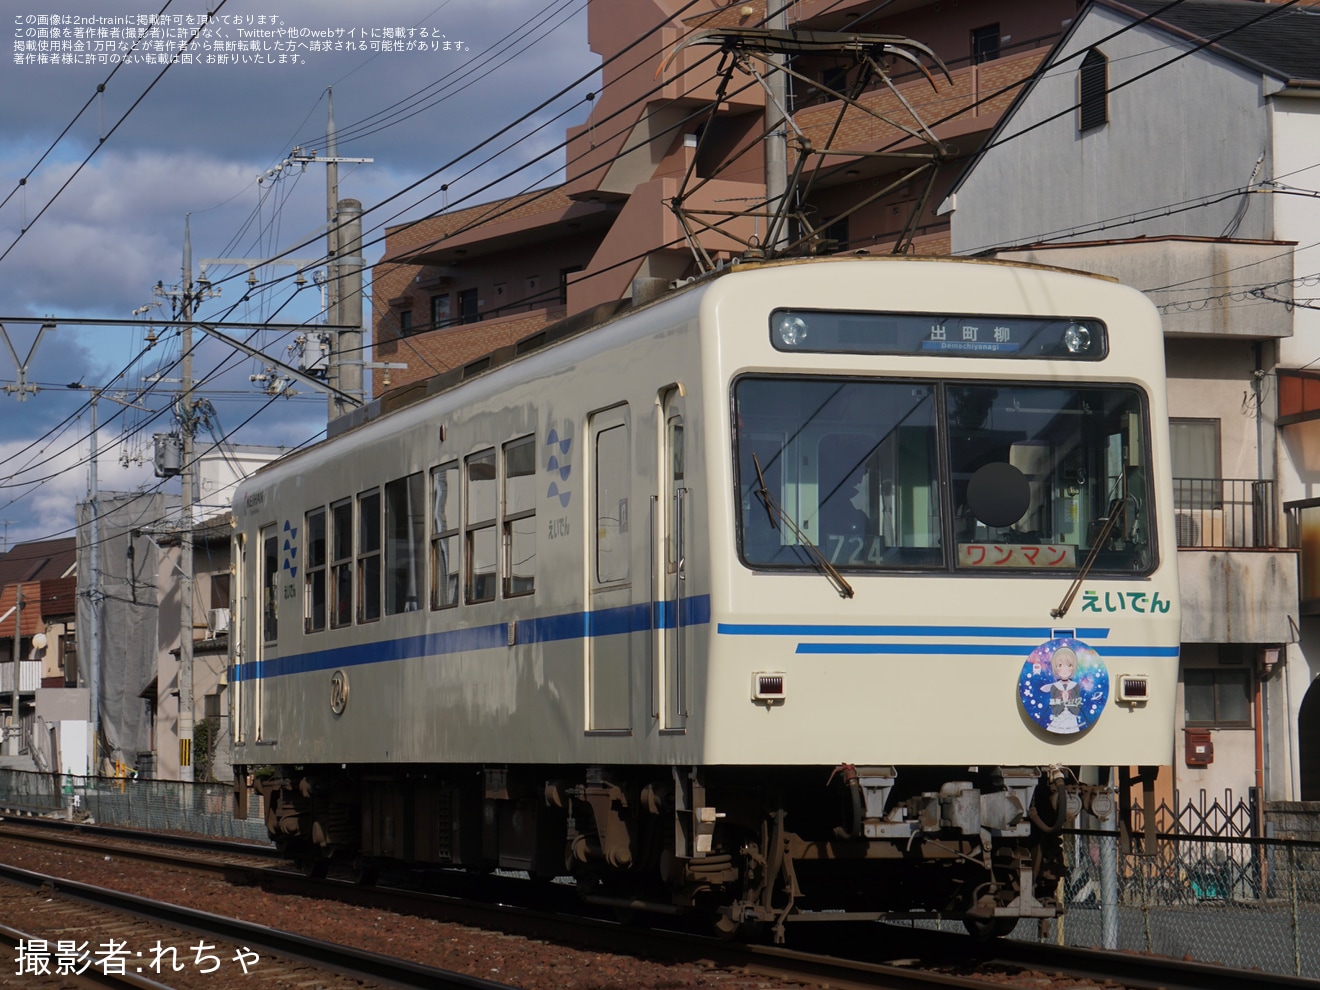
(615, 634)
(267, 623)
(673, 631)
(238, 638)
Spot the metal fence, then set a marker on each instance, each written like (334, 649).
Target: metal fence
(1246, 903)
(1225, 513)
(162, 805)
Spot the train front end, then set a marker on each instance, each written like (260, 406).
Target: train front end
(943, 565)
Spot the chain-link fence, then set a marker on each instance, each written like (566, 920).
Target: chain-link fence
(160, 805)
(1242, 902)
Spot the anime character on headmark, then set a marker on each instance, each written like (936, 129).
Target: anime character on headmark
(1065, 693)
(1064, 686)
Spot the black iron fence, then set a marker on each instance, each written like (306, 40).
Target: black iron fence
(1225, 513)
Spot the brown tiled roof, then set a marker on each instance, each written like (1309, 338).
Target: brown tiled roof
(37, 561)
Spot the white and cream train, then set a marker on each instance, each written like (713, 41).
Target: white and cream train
(795, 590)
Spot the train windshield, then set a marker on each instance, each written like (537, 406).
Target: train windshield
(939, 475)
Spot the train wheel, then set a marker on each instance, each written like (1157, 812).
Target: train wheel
(313, 866)
(365, 871)
(984, 929)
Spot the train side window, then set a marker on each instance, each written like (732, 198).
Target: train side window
(314, 600)
(341, 563)
(405, 528)
(520, 517)
(270, 574)
(368, 556)
(481, 551)
(611, 508)
(444, 535)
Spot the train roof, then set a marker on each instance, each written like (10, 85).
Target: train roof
(605, 313)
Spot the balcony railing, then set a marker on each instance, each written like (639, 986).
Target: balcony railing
(1225, 513)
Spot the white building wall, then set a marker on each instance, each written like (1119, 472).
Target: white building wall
(1056, 182)
(220, 470)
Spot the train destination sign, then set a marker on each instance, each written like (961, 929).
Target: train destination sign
(833, 332)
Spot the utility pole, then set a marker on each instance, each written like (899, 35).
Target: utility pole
(94, 600)
(347, 356)
(16, 653)
(186, 521)
(343, 250)
(776, 140)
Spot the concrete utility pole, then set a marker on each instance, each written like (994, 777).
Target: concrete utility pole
(94, 674)
(776, 140)
(343, 252)
(16, 654)
(186, 521)
(347, 357)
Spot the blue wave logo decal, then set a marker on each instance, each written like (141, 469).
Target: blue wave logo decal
(290, 549)
(558, 467)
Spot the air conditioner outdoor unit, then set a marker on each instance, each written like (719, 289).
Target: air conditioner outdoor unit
(217, 621)
(1189, 530)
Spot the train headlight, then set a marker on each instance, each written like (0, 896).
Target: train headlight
(1077, 339)
(790, 330)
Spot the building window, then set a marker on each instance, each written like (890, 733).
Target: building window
(1196, 466)
(444, 535)
(1218, 696)
(314, 600)
(467, 306)
(220, 590)
(270, 573)
(368, 556)
(440, 311)
(405, 323)
(985, 43)
(482, 494)
(520, 517)
(1093, 90)
(341, 562)
(405, 529)
(611, 509)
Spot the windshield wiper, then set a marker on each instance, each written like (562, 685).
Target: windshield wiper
(1116, 512)
(773, 509)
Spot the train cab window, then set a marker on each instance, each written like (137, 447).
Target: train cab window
(368, 556)
(405, 526)
(481, 542)
(849, 467)
(1041, 475)
(444, 535)
(341, 563)
(270, 575)
(612, 483)
(314, 590)
(520, 517)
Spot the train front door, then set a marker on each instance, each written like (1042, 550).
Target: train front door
(673, 632)
(616, 636)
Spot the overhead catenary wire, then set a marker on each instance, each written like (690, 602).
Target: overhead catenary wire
(387, 201)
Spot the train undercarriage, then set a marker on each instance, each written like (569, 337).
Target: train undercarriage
(749, 847)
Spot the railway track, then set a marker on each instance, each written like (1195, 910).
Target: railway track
(836, 955)
(118, 939)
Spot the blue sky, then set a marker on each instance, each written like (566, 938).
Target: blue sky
(89, 237)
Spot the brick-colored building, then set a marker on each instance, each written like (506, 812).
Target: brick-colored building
(458, 285)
